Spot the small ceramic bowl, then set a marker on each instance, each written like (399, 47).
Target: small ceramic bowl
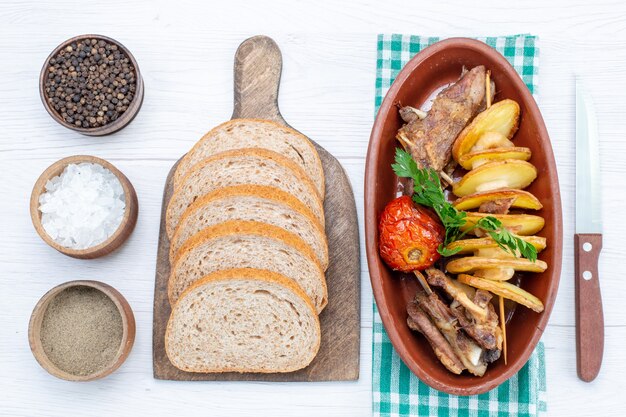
(115, 125)
(116, 239)
(128, 334)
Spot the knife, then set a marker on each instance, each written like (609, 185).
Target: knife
(587, 240)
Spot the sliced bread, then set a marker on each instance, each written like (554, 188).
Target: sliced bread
(244, 244)
(257, 203)
(242, 166)
(243, 320)
(255, 133)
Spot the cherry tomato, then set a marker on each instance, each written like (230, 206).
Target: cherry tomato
(409, 236)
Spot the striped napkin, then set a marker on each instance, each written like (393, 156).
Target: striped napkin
(396, 391)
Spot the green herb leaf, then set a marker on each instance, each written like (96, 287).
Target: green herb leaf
(405, 165)
(507, 240)
(429, 193)
(448, 252)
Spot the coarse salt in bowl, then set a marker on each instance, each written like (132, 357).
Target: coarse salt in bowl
(83, 207)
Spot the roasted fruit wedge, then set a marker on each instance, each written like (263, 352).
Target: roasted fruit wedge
(475, 159)
(496, 253)
(491, 140)
(510, 173)
(502, 117)
(473, 263)
(520, 224)
(521, 199)
(504, 289)
(497, 274)
(472, 245)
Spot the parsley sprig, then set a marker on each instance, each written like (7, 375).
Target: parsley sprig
(428, 192)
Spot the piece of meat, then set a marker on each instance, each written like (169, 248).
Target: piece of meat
(500, 206)
(483, 337)
(492, 355)
(410, 114)
(487, 334)
(476, 316)
(482, 298)
(468, 351)
(483, 105)
(419, 321)
(430, 140)
(438, 278)
(448, 171)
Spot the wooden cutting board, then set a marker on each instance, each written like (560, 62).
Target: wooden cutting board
(258, 65)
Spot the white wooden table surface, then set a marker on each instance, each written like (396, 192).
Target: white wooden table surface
(185, 52)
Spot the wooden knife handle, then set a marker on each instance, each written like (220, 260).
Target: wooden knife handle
(589, 315)
(258, 66)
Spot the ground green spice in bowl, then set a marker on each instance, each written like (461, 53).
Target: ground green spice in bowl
(81, 331)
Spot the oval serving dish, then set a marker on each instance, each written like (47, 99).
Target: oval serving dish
(427, 72)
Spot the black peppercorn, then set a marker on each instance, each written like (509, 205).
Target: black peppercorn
(90, 83)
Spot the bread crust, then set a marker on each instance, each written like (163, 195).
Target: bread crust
(296, 167)
(256, 152)
(249, 190)
(250, 274)
(239, 227)
(184, 167)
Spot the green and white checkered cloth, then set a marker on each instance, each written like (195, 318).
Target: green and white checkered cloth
(396, 391)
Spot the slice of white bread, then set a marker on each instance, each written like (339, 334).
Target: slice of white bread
(242, 166)
(255, 203)
(243, 320)
(256, 133)
(245, 244)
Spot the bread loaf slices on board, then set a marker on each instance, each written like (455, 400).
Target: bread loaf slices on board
(242, 320)
(242, 166)
(256, 133)
(244, 244)
(256, 203)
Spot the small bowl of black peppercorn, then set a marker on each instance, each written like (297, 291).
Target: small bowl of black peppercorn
(91, 84)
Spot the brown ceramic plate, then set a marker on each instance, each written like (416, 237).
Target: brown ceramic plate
(434, 67)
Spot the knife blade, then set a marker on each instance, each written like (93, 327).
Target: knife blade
(588, 239)
(588, 214)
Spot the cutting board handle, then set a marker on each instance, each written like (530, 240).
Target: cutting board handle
(258, 65)
(589, 315)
